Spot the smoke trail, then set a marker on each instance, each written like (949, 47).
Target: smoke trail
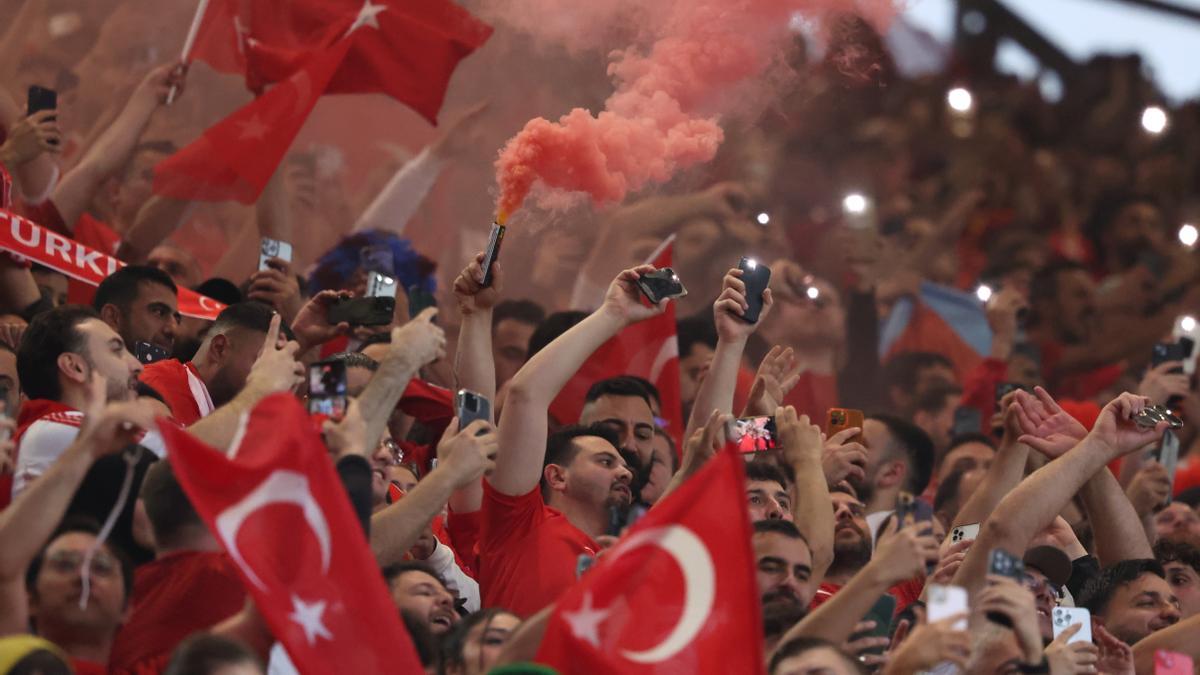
(664, 113)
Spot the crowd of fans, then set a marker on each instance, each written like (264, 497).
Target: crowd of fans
(1012, 421)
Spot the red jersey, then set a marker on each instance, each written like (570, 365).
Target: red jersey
(1080, 386)
(182, 388)
(528, 552)
(173, 597)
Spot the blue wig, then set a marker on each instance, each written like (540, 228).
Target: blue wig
(337, 267)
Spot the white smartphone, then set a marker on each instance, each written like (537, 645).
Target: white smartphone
(945, 602)
(273, 248)
(1062, 618)
(964, 533)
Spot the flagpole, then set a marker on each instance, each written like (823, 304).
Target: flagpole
(201, 7)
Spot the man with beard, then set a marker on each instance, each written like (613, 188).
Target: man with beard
(62, 354)
(783, 567)
(550, 498)
(1133, 599)
(851, 545)
(899, 459)
(420, 594)
(140, 303)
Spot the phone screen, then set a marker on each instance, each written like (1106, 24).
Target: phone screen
(754, 434)
(327, 389)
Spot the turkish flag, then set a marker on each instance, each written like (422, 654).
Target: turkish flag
(677, 594)
(277, 506)
(235, 158)
(407, 49)
(648, 349)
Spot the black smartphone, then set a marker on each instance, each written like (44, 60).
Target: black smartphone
(756, 277)
(967, 420)
(1005, 564)
(470, 406)
(1168, 351)
(372, 311)
(41, 98)
(753, 434)
(881, 613)
(147, 353)
(327, 389)
(419, 300)
(492, 253)
(660, 285)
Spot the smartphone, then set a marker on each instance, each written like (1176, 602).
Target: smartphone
(40, 98)
(1168, 456)
(273, 248)
(881, 613)
(1062, 618)
(840, 419)
(1004, 564)
(967, 420)
(964, 533)
(469, 406)
(660, 285)
(377, 311)
(753, 434)
(945, 602)
(1172, 663)
(419, 300)
(1169, 351)
(380, 286)
(377, 258)
(147, 353)
(327, 389)
(492, 253)
(756, 277)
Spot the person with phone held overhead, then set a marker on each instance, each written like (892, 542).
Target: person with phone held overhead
(30, 147)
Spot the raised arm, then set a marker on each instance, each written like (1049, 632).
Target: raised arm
(30, 148)
(464, 457)
(533, 388)
(414, 345)
(474, 367)
(716, 392)
(812, 509)
(1007, 470)
(115, 146)
(1034, 504)
(31, 518)
(1178, 638)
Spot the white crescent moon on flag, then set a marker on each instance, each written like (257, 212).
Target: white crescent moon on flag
(699, 592)
(281, 487)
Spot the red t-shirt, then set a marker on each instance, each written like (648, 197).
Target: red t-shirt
(170, 378)
(528, 552)
(905, 593)
(1079, 386)
(173, 597)
(462, 534)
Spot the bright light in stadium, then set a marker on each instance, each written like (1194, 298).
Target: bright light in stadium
(1187, 323)
(959, 100)
(1188, 235)
(984, 292)
(813, 293)
(763, 218)
(855, 203)
(1154, 119)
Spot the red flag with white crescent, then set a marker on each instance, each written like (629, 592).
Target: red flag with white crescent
(648, 349)
(277, 506)
(677, 594)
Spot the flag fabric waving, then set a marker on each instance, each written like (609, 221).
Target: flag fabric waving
(277, 506)
(677, 594)
(410, 54)
(648, 349)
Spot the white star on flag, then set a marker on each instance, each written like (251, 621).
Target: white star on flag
(308, 616)
(585, 623)
(366, 17)
(252, 128)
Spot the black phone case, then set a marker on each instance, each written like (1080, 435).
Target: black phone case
(756, 280)
(492, 254)
(658, 285)
(373, 311)
(41, 98)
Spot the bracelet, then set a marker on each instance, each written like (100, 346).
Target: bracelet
(1034, 668)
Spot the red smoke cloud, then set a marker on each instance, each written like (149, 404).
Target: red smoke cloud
(663, 116)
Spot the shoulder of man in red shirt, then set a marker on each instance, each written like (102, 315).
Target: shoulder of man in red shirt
(528, 552)
(173, 597)
(170, 379)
